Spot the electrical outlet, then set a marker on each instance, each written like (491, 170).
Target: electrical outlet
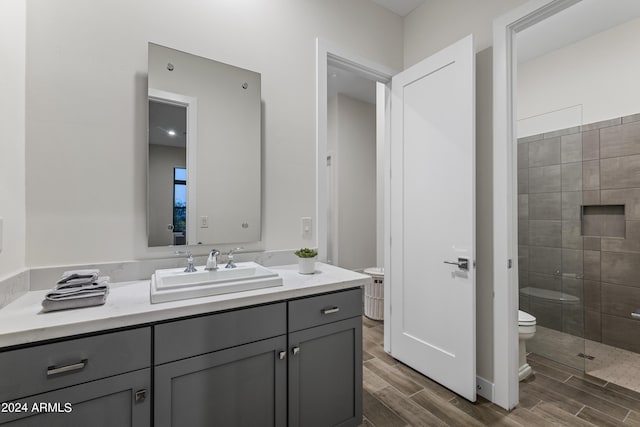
(306, 227)
(204, 222)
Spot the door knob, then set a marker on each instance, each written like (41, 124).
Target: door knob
(462, 263)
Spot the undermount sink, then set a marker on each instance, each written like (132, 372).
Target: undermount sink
(174, 284)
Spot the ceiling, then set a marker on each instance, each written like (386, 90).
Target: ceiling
(584, 19)
(400, 7)
(165, 119)
(350, 84)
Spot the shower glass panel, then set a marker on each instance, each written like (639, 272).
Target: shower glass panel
(551, 194)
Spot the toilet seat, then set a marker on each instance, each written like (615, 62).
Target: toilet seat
(525, 319)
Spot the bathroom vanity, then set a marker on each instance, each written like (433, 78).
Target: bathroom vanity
(290, 355)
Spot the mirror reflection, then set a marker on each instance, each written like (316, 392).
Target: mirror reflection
(204, 151)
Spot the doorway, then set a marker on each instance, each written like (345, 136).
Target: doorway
(547, 122)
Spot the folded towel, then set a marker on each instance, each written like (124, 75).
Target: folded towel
(100, 286)
(77, 277)
(76, 295)
(77, 302)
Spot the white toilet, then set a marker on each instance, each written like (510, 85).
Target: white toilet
(526, 331)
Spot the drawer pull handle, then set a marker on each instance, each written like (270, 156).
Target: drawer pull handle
(55, 370)
(295, 350)
(282, 355)
(330, 310)
(636, 314)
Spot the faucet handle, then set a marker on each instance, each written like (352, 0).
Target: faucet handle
(230, 263)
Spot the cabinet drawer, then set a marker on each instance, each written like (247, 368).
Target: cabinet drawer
(191, 337)
(52, 366)
(313, 311)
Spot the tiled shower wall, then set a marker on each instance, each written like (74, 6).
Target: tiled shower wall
(558, 173)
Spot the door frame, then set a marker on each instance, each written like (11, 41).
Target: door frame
(505, 226)
(329, 53)
(191, 105)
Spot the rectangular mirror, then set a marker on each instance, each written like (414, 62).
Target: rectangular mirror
(204, 162)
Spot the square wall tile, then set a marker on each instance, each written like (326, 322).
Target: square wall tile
(631, 242)
(621, 268)
(545, 233)
(591, 265)
(619, 300)
(572, 262)
(591, 175)
(571, 148)
(523, 232)
(545, 281)
(523, 156)
(572, 177)
(591, 243)
(523, 206)
(545, 260)
(621, 332)
(545, 179)
(571, 205)
(571, 236)
(523, 181)
(602, 124)
(629, 197)
(592, 295)
(591, 197)
(523, 258)
(545, 206)
(618, 141)
(544, 153)
(591, 145)
(620, 172)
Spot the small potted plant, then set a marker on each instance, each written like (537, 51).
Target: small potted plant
(306, 260)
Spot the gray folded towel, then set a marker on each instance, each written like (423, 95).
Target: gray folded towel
(65, 296)
(77, 302)
(78, 277)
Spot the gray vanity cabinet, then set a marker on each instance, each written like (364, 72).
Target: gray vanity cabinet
(226, 369)
(325, 360)
(102, 380)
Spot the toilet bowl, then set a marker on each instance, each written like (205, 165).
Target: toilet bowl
(526, 331)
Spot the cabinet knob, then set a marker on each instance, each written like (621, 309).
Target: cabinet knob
(282, 355)
(141, 395)
(295, 350)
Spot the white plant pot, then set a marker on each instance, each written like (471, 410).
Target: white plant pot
(307, 265)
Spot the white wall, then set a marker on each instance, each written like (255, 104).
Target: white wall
(599, 73)
(439, 23)
(86, 109)
(12, 141)
(355, 171)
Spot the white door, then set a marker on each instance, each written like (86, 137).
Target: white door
(431, 273)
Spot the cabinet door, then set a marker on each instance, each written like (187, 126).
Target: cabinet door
(325, 375)
(239, 386)
(118, 401)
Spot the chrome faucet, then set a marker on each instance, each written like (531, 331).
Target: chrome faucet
(230, 263)
(190, 267)
(212, 261)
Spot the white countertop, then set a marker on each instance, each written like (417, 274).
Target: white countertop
(128, 304)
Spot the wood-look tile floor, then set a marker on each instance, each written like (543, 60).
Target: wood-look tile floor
(396, 395)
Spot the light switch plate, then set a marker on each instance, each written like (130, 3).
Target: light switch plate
(204, 222)
(1, 234)
(306, 227)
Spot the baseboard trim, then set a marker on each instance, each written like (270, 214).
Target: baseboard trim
(484, 388)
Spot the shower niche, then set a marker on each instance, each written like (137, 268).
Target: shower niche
(603, 221)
